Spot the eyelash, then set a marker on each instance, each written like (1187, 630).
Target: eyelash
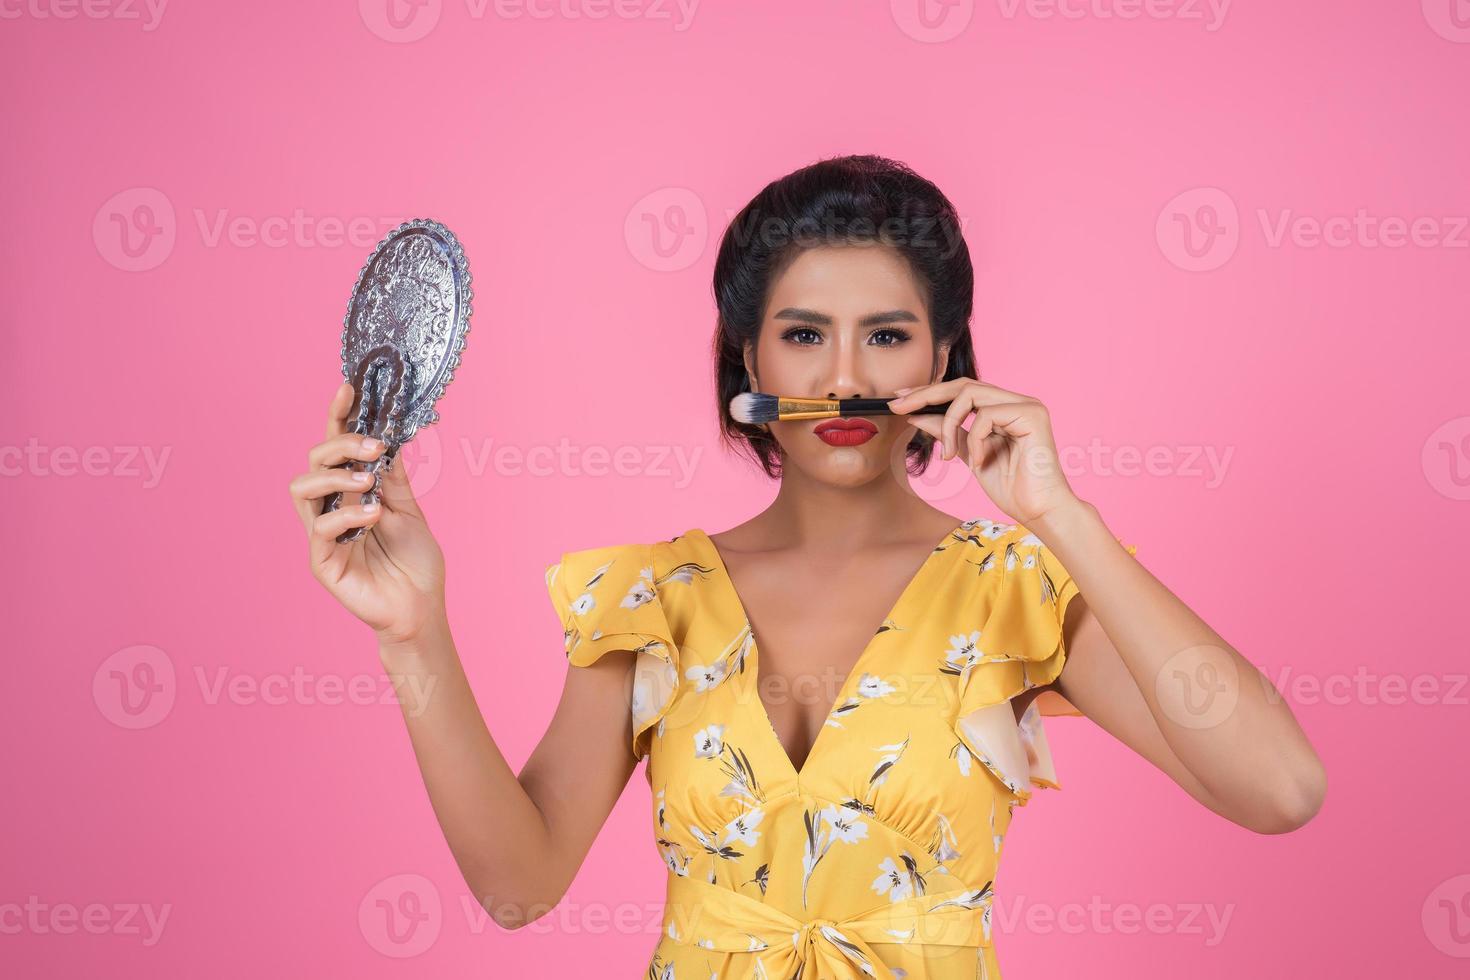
(900, 335)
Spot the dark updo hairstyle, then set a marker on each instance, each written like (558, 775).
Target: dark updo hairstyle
(843, 200)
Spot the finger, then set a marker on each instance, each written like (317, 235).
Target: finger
(982, 446)
(982, 392)
(308, 488)
(326, 527)
(932, 424)
(341, 404)
(931, 394)
(960, 407)
(342, 448)
(1009, 419)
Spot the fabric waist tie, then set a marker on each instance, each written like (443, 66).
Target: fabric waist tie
(707, 916)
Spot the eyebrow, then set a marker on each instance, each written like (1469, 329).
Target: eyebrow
(822, 319)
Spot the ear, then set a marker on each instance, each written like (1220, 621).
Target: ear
(750, 366)
(943, 359)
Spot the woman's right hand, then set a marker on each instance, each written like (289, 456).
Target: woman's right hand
(391, 577)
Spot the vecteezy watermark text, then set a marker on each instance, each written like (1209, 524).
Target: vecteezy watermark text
(36, 917)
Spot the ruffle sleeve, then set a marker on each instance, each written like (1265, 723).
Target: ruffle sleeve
(607, 599)
(1021, 646)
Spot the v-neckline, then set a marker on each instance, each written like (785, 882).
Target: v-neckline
(759, 706)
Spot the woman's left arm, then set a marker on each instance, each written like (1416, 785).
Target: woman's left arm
(1147, 669)
(1140, 663)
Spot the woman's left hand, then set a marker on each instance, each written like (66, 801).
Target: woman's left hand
(1009, 446)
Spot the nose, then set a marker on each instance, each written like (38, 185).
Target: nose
(845, 379)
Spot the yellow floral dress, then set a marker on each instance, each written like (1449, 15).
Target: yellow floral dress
(878, 858)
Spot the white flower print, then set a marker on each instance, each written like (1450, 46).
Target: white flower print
(870, 686)
(991, 529)
(963, 654)
(641, 592)
(708, 742)
(843, 826)
(845, 708)
(642, 696)
(834, 826)
(962, 753)
(946, 845)
(887, 762)
(899, 883)
(743, 782)
(583, 604)
(962, 757)
(706, 676)
(674, 858)
(980, 898)
(742, 828)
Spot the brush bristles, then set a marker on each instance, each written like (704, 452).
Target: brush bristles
(754, 408)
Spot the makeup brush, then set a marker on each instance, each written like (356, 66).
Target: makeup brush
(755, 408)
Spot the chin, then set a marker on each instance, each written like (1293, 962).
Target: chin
(842, 466)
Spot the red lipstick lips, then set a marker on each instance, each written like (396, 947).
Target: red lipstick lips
(845, 432)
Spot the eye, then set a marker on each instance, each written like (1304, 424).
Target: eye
(894, 336)
(795, 332)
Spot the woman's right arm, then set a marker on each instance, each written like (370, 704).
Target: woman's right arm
(518, 839)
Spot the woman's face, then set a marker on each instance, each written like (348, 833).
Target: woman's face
(844, 321)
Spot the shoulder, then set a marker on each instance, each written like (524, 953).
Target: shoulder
(627, 575)
(656, 555)
(607, 600)
(992, 544)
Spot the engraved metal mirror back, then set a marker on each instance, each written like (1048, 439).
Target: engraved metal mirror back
(402, 339)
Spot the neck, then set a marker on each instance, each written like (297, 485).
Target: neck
(807, 512)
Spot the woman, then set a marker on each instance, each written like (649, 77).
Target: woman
(832, 800)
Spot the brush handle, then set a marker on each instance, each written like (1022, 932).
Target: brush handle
(852, 407)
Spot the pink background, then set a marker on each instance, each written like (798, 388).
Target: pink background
(1123, 181)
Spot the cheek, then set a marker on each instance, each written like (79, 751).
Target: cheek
(787, 375)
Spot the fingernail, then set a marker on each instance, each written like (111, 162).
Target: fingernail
(369, 444)
(370, 508)
(362, 477)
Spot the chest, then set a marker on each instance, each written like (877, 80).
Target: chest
(813, 622)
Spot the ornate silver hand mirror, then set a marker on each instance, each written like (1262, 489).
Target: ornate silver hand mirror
(402, 339)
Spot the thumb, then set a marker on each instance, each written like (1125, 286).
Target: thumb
(396, 490)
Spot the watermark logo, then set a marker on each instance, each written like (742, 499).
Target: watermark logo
(401, 915)
(1199, 229)
(1450, 19)
(932, 21)
(1446, 459)
(400, 21)
(1198, 687)
(135, 687)
(405, 21)
(1446, 917)
(666, 230)
(422, 458)
(135, 229)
